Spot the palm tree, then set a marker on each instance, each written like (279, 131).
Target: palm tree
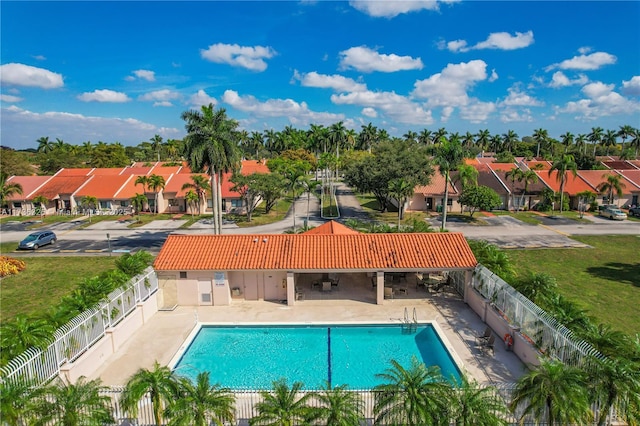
(608, 140)
(161, 385)
(44, 145)
(192, 200)
(8, 189)
(156, 184)
(556, 389)
(401, 190)
(613, 183)
(200, 185)
(566, 163)
(413, 397)
(528, 177)
(156, 144)
(410, 135)
(567, 140)
(509, 140)
(624, 132)
(309, 186)
(75, 404)
(581, 143)
(482, 139)
(367, 137)
(210, 144)
(615, 383)
(17, 401)
(514, 175)
(144, 182)
(339, 406)
(137, 202)
(449, 155)
(540, 137)
(282, 407)
(635, 142)
(200, 404)
(595, 137)
(24, 332)
(42, 201)
(477, 405)
(89, 201)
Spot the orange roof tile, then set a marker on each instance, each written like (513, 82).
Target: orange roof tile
(59, 185)
(633, 176)
(174, 185)
(129, 189)
(107, 171)
(543, 165)
(103, 187)
(161, 169)
(505, 167)
(29, 185)
(436, 186)
(305, 252)
(635, 163)
(619, 165)
(572, 186)
(595, 177)
(137, 171)
(74, 172)
(331, 228)
(252, 166)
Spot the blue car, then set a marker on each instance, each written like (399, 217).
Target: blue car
(37, 239)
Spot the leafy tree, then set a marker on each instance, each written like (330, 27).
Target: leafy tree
(612, 184)
(156, 144)
(282, 407)
(401, 190)
(109, 155)
(156, 183)
(556, 389)
(17, 401)
(479, 198)
(271, 186)
(211, 144)
(473, 405)
(200, 404)
(562, 166)
(8, 189)
(449, 156)
(414, 397)
(89, 202)
(248, 188)
(159, 382)
(540, 288)
(493, 258)
(22, 333)
(293, 172)
(15, 163)
(200, 186)
(339, 406)
(75, 404)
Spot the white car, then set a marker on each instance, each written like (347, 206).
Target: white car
(613, 213)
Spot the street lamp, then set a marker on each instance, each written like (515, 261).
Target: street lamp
(109, 243)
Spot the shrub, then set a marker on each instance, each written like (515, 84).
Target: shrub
(10, 266)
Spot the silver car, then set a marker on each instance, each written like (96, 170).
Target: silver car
(613, 213)
(38, 239)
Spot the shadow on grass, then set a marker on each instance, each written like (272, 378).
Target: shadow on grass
(626, 273)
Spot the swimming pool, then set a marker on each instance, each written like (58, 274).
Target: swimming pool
(252, 357)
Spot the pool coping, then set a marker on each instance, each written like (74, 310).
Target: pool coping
(198, 326)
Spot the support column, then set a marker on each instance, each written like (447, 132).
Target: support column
(380, 287)
(468, 276)
(291, 289)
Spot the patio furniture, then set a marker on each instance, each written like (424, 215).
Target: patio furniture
(334, 283)
(326, 285)
(388, 293)
(315, 284)
(299, 294)
(485, 335)
(487, 345)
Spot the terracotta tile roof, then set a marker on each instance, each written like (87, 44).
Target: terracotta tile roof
(226, 187)
(635, 163)
(103, 187)
(165, 170)
(107, 171)
(137, 171)
(595, 177)
(74, 172)
(572, 186)
(619, 165)
(518, 187)
(252, 166)
(436, 186)
(174, 185)
(486, 177)
(545, 165)
(633, 176)
(331, 228)
(59, 185)
(304, 252)
(129, 189)
(505, 167)
(30, 184)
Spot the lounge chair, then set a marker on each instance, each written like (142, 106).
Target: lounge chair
(388, 293)
(326, 285)
(485, 335)
(487, 345)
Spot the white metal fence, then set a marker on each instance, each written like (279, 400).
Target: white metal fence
(82, 332)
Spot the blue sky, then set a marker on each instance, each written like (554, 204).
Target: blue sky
(125, 71)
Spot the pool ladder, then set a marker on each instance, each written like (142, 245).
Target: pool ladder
(410, 325)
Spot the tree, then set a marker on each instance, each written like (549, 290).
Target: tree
(479, 198)
(200, 186)
(201, 403)
(540, 288)
(595, 137)
(248, 188)
(137, 202)
(514, 175)
(282, 407)
(42, 201)
(556, 389)
(8, 189)
(22, 333)
(16, 163)
(449, 155)
(413, 397)
(528, 177)
(159, 382)
(476, 405)
(76, 404)
(615, 382)
(211, 144)
(192, 200)
(493, 258)
(89, 202)
(44, 145)
(309, 186)
(401, 190)
(540, 137)
(270, 186)
(339, 406)
(156, 144)
(613, 183)
(567, 140)
(293, 171)
(566, 163)
(156, 183)
(18, 397)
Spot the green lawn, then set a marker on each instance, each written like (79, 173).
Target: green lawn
(45, 281)
(604, 280)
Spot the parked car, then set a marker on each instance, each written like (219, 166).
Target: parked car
(613, 213)
(38, 239)
(634, 211)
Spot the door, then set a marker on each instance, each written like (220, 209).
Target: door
(168, 292)
(429, 203)
(274, 287)
(205, 294)
(251, 285)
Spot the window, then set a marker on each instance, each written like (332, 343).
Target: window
(104, 204)
(17, 205)
(206, 297)
(236, 203)
(124, 203)
(449, 202)
(172, 202)
(183, 274)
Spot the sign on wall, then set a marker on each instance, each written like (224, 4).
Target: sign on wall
(218, 279)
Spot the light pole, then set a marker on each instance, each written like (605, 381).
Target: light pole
(109, 243)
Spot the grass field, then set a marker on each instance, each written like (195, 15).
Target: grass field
(45, 281)
(604, 280)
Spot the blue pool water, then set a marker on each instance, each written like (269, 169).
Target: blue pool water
(249, 357)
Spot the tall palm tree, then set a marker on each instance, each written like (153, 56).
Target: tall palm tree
(424, 137)
(509, 140)
(44, 145)
(156, 144)
(514, 175)
(615, 382)
(609, 139)
(89, 202)
(400, 189)
(142, 181)
(156, 184)
(635, 142)
(612, 184)
(624, 132)
(581, 143)
(8, 189)
(449, 155)
(528, 177)
(556, 389)
(367, 137)
(566, 163)
(410, 135)
(137, 202)
(42, 201)
(309, 186)
(482, 139)
(540, 137)
(159, 382)
(18, 399)
(211, 144)
(477, 405)
(339, 406)
(415, 396)
(200, 186)
(595, 137)
(567, 140)
(76, 404)
(192, 200)
(282, 406)
(200, 404)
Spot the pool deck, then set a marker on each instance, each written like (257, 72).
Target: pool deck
(164, 334)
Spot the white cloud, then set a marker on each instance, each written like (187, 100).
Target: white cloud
(39, 57)
(585, 62)
(510, 115)
(369, 112)
(394, 106)
(392, 8)
(494, 76)
(104, 95)
(631, 87)
(145, 75)
(367, 60)
(559, 79)
(501, 41)
(449, 87)
(454, 46)
(26, 75)
(335, 82)
(200, 99)
(600, 101)
(21, 128)
(476, 111)
(160, 97)
(248, 57)
(518, 98)
(297, 113)
(10, 98)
